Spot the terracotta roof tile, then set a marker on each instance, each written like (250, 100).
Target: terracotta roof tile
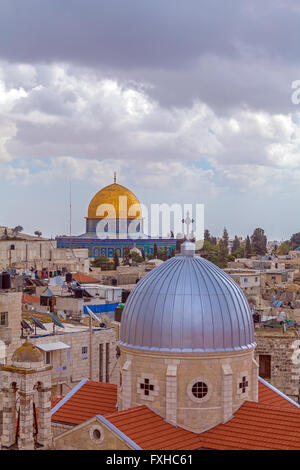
(269, 397)
(256, 426)
(273, 423)
(30, 299)
(151, 432)
(91, 399)
(84, 278)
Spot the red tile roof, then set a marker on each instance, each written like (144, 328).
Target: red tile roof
(267, 396)
(84, 278)
(272, 423)
(256, 426)
(151, 432)
(90, 399)
(30, 299)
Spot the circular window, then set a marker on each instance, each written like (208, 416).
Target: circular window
(96, 434)
(199, 389)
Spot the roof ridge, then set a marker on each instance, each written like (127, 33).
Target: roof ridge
(129, 410)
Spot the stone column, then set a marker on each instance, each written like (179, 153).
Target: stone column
(25, 441)
(126, 385)
(171, 394)
(9, 417)
(44, 421)
(226, 392)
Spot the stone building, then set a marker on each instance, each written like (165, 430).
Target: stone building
(23, 254)
(182, 349)
(26, 381)
(278, 356)
(10, 323)
(76, 352)
(188, 376)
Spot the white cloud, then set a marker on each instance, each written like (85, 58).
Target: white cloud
(86, 124)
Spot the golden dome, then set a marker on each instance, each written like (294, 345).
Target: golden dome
(110, 195)
(27, 353)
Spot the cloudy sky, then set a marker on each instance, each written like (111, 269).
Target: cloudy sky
(189, 102)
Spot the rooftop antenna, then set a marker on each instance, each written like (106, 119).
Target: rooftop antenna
(115, 176)
(70, 209)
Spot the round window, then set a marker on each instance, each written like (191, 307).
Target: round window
(199, 389)
(96, 434)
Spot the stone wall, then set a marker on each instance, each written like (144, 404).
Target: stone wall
(70, 367)
(171, 393)
(82, 438)
(284, 351)
(11, 302)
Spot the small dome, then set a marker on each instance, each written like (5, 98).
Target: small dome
(110, 195)
(187, 304)
(27, 353)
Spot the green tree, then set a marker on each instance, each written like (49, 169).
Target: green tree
(136, 257)
(223, 252)
(259, 242)
(116, 260)
(213, 241)
(165, 254)
(225, 239)
(17, 229)
(284, 248)
(172, 252)
(155, 251)
(236, 244)
(248, 249)
(295, 240)
(37, 233)
(102, 262)
(206, 235)
(126, 254)
(239, 252)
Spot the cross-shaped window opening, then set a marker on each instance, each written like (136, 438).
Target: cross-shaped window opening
(147, 387)
(243, 384)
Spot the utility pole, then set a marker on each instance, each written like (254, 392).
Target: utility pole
(70, 209)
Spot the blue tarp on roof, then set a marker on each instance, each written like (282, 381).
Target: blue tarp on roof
(102, 308)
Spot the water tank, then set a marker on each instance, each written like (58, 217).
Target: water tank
(118, 314)
(125, 294)
(6, 281)
(78, 293)
(69, 277)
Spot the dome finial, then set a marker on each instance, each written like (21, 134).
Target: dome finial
(115, 176)
(187, 248)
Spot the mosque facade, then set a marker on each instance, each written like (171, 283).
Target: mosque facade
(114, 224)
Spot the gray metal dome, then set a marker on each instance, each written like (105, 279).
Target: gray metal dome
(187, 304)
